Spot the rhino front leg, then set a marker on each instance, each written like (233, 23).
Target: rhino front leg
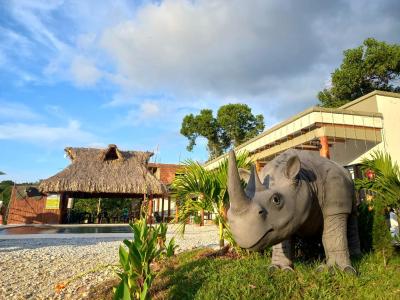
(282, 255)
(334, 239)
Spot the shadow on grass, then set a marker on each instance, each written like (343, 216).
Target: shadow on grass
(184, 281)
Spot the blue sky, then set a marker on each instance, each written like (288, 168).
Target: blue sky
(90, 73)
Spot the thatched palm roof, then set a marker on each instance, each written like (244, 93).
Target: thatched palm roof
(104, 171)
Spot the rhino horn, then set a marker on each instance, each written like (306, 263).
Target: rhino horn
(239, 200)
(254, 185)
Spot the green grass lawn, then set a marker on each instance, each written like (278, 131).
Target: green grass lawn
(191, 275)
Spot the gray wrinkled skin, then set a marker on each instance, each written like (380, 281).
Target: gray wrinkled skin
(300, 193)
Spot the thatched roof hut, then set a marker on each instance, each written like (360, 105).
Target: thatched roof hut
(104, 171)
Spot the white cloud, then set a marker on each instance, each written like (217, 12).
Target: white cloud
(84, 71)
(221, 47)
(145, 114)
(33, 16)
(16, 111)
(264, 53)
(149, 109)
(272, 55)
(12, 40)
(86, 41)
(43, 134)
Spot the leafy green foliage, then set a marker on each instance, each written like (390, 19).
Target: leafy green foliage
(382, 240)
(86, 205)
(233, 125)
(170, 248)
(238, 123)
(5, 191)
(385, 187)
(136, 256)
(114, 206)
(372, 66)
(386, 182)
(199, 189)
(365, 222)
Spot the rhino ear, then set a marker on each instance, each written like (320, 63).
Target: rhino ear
(244, 175)
(292, 167)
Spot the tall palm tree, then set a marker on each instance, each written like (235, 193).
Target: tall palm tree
(199, 190)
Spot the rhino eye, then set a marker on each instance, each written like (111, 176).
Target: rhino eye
(276, 200)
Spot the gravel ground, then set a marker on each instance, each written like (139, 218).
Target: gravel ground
(32, 268)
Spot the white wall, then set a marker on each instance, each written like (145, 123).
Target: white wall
(390, 108)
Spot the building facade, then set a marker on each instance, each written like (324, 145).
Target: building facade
(346, 134)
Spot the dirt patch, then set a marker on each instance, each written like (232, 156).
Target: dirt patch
(225, 253)
(103, 291)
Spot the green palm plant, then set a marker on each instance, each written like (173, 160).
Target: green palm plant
(385, 186)
(386, 182)
(200, 189)
(136, 256)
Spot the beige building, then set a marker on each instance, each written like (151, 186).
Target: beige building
(345, 135)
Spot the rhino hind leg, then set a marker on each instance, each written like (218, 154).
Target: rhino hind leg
(282, 255)
(334, 239)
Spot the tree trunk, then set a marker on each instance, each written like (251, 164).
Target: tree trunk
(176, 212)
(150, 211)
(162, 210)
(221, 234)
(202, 217)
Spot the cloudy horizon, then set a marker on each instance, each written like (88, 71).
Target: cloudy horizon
(90, 73)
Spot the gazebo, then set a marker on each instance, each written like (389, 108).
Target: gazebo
(104, 173)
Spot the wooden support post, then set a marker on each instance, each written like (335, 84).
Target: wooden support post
(258, 166)
(324, 151)
(132, 215)
(176, 212)
(225, 213)
(150, 211)
(169, 207)
(162, 209)
(158, 205)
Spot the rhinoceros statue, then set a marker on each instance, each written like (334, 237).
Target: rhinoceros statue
(299, 194)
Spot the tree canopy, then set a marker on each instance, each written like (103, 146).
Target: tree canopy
(233, 125)
(5, 191)
(374, 65)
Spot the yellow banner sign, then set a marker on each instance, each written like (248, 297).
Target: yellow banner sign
(53, 202)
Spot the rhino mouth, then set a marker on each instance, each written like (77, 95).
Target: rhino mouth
(260, 239)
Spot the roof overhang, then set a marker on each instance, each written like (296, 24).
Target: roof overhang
(304, 130)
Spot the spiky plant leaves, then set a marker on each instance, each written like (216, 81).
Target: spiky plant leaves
(385, 187)
(200, 189)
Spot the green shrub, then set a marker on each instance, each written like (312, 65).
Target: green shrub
(382, 240)
(136, 256)
(365, 221)
(197, 219)
(384, 186)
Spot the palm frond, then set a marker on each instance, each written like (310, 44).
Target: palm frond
(200, 189)
(386, 182)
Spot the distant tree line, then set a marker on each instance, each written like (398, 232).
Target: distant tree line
(5, 191)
